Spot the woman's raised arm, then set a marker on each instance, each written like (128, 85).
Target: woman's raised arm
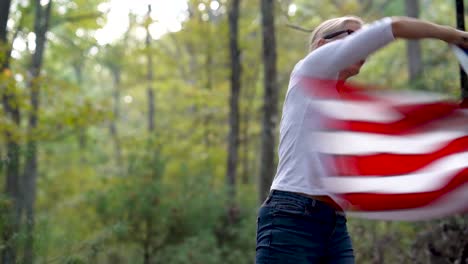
(411, 28)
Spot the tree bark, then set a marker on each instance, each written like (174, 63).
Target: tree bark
(268, 164)
(12, 158)
(460, 9)
(245, 147)
(208, 115)
(8, 253)
(148, 236)
(4, 14)
(148, 241)
(233, 138)
(41, 26)
(248, 97)
(113, 126)
(149, 76)
(413, 46)
(82, 131)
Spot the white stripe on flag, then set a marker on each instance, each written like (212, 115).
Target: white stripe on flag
(357, 111)
(390, 185)
(352, 143)
(427, 179)
(407, 97)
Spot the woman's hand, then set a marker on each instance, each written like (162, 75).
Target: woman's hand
(411, 28)
(457, 37)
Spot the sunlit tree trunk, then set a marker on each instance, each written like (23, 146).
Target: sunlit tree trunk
(208, 115)
(148, 236)
(41, 26)
(149, 76)
(270, 112)
(233, 139)
(413, 46)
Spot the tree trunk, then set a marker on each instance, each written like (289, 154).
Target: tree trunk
(8, 253)
(245, 148)
(149, 76)
(12, 158)
(41, 26)
(460, 9)
(268, 164)
(413, 46)
(233, 140)
(208, 115)
(4, 14)
(249, 96)
(113, 126)
(82, 135)
(148, 240)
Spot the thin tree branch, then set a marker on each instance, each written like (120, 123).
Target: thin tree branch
(299, 28)
(76, 18)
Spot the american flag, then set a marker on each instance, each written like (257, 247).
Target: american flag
(392, 156)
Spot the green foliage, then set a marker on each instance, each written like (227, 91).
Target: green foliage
(371, 240)
(165, 215)
(5, 205)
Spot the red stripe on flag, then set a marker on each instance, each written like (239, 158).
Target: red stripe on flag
(388, 164)
(407, 116)
(383, 202)
(413, 117)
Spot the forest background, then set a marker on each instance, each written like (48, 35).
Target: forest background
(156, 144)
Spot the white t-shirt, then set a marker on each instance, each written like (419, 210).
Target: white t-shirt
(299, 168)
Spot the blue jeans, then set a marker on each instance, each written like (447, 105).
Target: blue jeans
(292, 228)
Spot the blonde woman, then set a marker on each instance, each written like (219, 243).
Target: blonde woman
(300, 222)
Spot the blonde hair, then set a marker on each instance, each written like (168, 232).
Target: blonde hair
(330, 26)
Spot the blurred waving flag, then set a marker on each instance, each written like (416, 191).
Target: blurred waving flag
(461, 56)
(393, 156)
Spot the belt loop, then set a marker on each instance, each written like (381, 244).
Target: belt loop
(269, 197)
(313, 202)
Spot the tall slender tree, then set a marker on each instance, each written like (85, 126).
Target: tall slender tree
(149, 75)
(115, 67)
(460, 10)
(12, 161)
(233, 139)
(147, 242)
(116, 72)
(248, 98)
(4, 14)
(41, 26)
(270, 99)
(413, 47)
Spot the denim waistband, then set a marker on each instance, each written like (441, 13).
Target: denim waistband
(277, 194)
(295, 196)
